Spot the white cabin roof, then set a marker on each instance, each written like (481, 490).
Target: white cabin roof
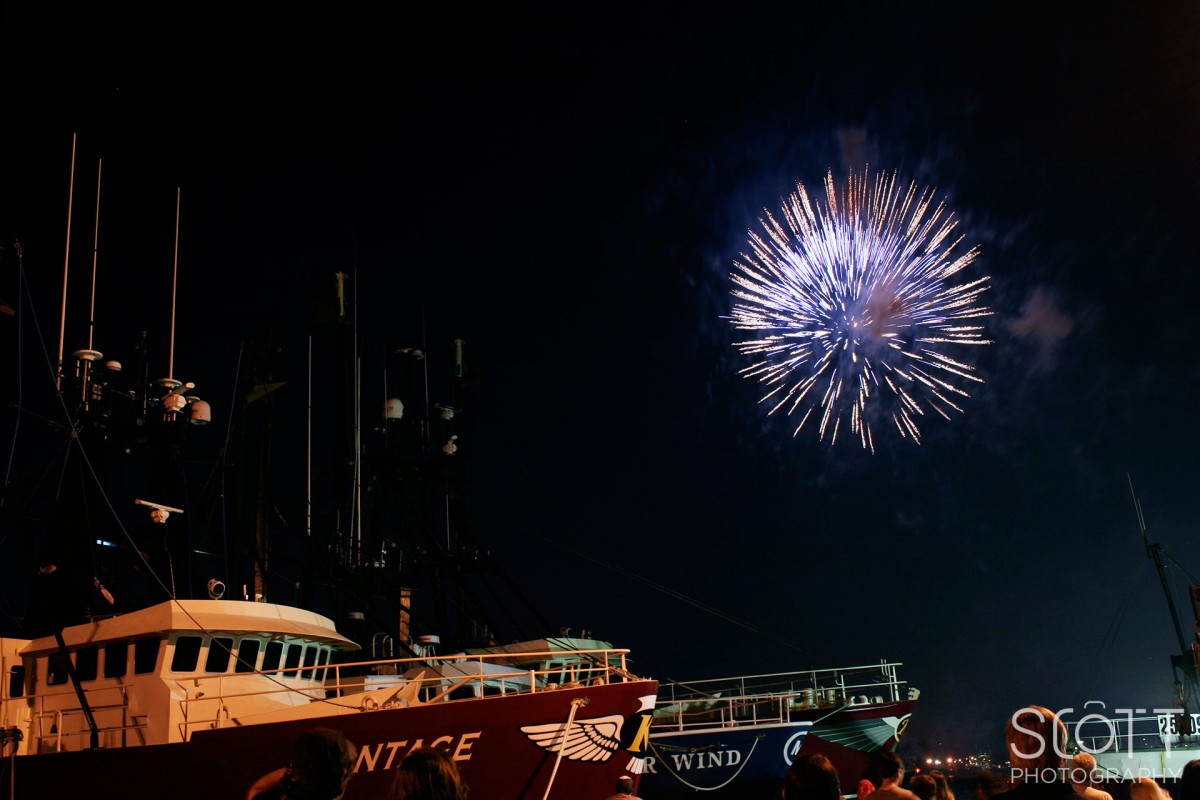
(210, 616)
(522, 652)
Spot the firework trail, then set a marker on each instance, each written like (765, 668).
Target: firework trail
(851, 308)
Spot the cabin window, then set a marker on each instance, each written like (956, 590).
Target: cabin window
(247, 655)
(116, 659)
(16, 681)
(56, 668)
(324, 662)
(310, 660)
(272, 656)
(87, 662)
(294, 651)
(187, 654)
(220, 650)
(145, 655)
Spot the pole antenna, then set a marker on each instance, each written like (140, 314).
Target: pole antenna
(308, 470)
(62, 325)
(174, 285)
(95, 256)
(85, 358)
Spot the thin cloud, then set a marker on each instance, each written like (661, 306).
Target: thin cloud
(1044, 325)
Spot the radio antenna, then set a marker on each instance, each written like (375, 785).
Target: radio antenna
(62, 325)
(95, 255)
(174, 284)
(85, 358)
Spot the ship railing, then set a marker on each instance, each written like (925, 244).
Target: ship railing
(548, 668)
(66, 729)
(773, 697)
(1130, 730)
(208, 702)
(488, 673)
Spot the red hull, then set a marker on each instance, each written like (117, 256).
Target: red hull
(498, 760)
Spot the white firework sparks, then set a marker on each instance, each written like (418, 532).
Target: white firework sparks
(852, 308)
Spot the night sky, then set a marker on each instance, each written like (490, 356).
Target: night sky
(566, 191)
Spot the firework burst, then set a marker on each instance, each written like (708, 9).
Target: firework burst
(851, 308)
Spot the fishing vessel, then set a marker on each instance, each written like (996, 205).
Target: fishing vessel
(198, 698)
(736, 737)
(157, 659)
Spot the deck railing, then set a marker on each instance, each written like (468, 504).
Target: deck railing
(211, 701)
(774, 697)
(58, 726)
(450, 678)
(1131, 730)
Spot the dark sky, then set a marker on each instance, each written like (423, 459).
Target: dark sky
(566, 191)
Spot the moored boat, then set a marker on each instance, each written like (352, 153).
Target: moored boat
(1142, 742)
(736, 737)
(197, 698)
(126, 681)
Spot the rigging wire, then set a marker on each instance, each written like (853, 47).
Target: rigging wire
(20, 402)
(6, 605)
(221, 463)
(103, 494)
(716, 612)
(1181, 568)
(1108, 642)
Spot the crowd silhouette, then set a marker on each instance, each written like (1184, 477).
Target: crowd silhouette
(1042, 765)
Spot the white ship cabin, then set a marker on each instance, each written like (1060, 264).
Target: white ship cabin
(155, 675)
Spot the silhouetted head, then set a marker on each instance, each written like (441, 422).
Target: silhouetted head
(885, 765)
(989, 782)
(923, 786)
(811, 776)
(1144, 788)
(1188, 787)
(322, 763)
(1036, 739)
(1083, 768)
(944, 792)
(428, 773)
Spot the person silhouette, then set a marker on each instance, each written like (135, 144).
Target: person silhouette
(944, 792)
(624, 789)
(1188, 787)
(428, 773)
(989, 782)
(1036, 737)
(1146, 788)
(1083, 777)
(322, 764)
(889, 769)
(923, 786)
(811, 776)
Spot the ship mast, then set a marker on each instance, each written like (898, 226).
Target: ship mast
(1185, 660)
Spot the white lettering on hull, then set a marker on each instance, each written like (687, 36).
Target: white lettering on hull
(387, 755)
(686, 762)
